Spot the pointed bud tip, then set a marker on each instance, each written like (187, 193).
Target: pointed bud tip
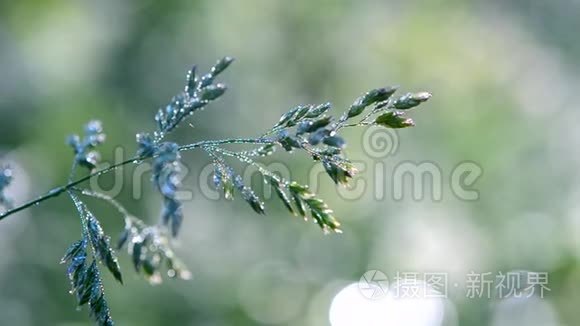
(423, 96)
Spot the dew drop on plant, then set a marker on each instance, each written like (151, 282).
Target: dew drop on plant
(185, 275)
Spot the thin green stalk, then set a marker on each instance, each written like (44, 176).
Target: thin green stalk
(70, 185)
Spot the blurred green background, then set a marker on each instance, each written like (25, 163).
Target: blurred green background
(505, 79)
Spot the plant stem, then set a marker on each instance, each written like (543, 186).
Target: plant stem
(59, 190)
(71, 184)
(122, 210)
(226, 141)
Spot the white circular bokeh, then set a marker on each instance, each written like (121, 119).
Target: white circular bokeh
(350, 307)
